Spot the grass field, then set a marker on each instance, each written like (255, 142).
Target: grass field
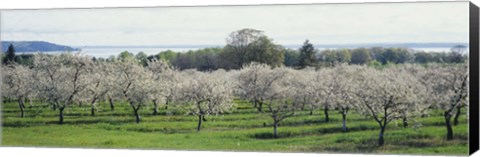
(242, 130)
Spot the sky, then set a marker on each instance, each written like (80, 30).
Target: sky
(285, 24)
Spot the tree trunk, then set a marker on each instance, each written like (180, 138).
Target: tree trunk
(311, 112)
(30, 103)
(21, 105)
(275, 132)
(405, 122)
(92, 111)
(155, 108)
(54, 107)
(200, 118)
(60, 109)
(260, 107)
(325, 110)
(380, 136)
(166, 103)
(344, 122)
(112, 107)
(135, 112)
(455, 119)
(137, 116)
(23, 102)
(448, 124)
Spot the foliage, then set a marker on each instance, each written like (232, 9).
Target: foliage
(307, 55)
(142, 58)
(250, 45)
(125, 55)
(18, 83)
(135, 84)
(387, 94)
(60, 78)
(206, 94)
(333, 57)
(449, 87)
(10, 57)
(360, 56)
(291, 58)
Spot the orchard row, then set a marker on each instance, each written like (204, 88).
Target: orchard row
(397, 92)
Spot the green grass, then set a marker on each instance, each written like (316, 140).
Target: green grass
(242, 130)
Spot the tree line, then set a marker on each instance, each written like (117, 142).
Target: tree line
(251, 45)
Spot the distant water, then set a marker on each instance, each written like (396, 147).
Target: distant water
(425, 49)
(107, 52)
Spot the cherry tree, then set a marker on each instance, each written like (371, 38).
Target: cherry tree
(463, 104)
(343, 82)
(135, 83)
(100, 82)
(61, 78)
(322, 86)
(280, 96)
(386, 94)
(319, 87)
(326, 87)
(424, 76)
(18, 83)
(312, 86)
(249, 80)
(165, 86)
(206, 94)
(306, 93)
(274, 88)
(254, 80)
(450, 90)
(111, 74)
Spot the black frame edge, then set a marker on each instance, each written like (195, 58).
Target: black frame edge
(474, 79)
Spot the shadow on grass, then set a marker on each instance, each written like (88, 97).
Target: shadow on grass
(322, 131)
(304, 122)
(349, 129)
(417, 143)
(66, 122)
(367, 146)
(361, 146)
(161, 130)
(269, 135)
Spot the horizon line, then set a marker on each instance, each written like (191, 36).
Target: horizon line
(221, 45)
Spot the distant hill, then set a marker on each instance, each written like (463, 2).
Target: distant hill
(35, 46)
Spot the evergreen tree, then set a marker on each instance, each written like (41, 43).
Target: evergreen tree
(307, 55)
(10, 55)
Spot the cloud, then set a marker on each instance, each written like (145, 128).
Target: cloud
(286, 24)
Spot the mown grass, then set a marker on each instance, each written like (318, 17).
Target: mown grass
(242, 130)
